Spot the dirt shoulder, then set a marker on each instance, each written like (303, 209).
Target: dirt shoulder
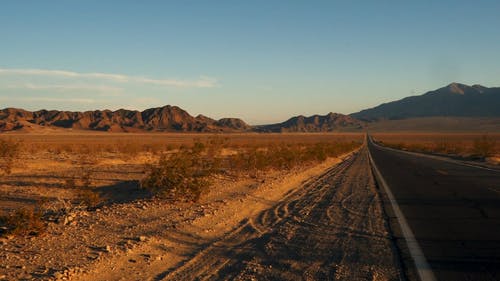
(143, 239)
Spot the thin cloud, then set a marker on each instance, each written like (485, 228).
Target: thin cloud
(67, 87)
(45, 99)
(202, 82)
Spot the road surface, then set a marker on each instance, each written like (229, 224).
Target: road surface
(452, 209)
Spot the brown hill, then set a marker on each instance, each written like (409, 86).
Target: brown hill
(316, 123)
(166, 119)
(454, 100)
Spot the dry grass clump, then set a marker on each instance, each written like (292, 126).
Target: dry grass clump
(186, 174)
(9, 151)
(24, 221)
(179, 175)
(485, 146)
(286, 156)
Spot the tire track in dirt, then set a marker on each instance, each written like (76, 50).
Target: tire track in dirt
(332, 228)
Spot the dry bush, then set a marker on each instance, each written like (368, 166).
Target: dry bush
(186, 174)
(88, 198)
(85, 194)
(463, 145)
(25, 221)
(181, 175)
(9, 151)
(286, 156)
(70, 183)
(485, 146)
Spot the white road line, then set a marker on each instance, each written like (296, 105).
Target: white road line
(422, 266)
(440, 158)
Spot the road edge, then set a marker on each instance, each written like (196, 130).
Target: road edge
(422, 267)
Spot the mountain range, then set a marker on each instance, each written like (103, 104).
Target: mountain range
(316, 123)
(453, 101)
(165, 119)
(457, 100)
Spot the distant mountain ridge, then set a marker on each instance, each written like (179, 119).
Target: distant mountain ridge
(166, 119)
(454, 100)
(316, 123)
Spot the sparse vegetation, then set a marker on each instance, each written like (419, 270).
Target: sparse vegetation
(460, 145)
(24, 221)
(179, 175)
(485, 146)
(186, 174)
(70, 168)
(9, 151)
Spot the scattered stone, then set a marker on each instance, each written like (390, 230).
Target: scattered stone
(142, 238)
(107, 249)
(69, 218)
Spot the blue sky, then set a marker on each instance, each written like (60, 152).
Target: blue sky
(263, 61)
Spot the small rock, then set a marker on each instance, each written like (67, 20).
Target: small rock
(142, 238)
(58, 275)
(107, 249)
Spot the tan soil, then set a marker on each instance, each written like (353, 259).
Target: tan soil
(315, 223)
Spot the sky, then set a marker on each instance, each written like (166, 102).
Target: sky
(262, 61)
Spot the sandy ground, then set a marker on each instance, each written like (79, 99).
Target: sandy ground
(315, 223)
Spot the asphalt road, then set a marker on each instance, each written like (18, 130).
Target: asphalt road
(452, 209)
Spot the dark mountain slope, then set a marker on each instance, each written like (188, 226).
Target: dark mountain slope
(316, 123)
(454, 100)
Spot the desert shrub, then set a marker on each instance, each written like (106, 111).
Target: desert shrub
(181, 175)
(86, 177)
(186, 174)
(25, 221)
(448, 147)
(215, 145)
(69, 183)
(286, 156)
(9, 151)
(88, 197)
(484, 146)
